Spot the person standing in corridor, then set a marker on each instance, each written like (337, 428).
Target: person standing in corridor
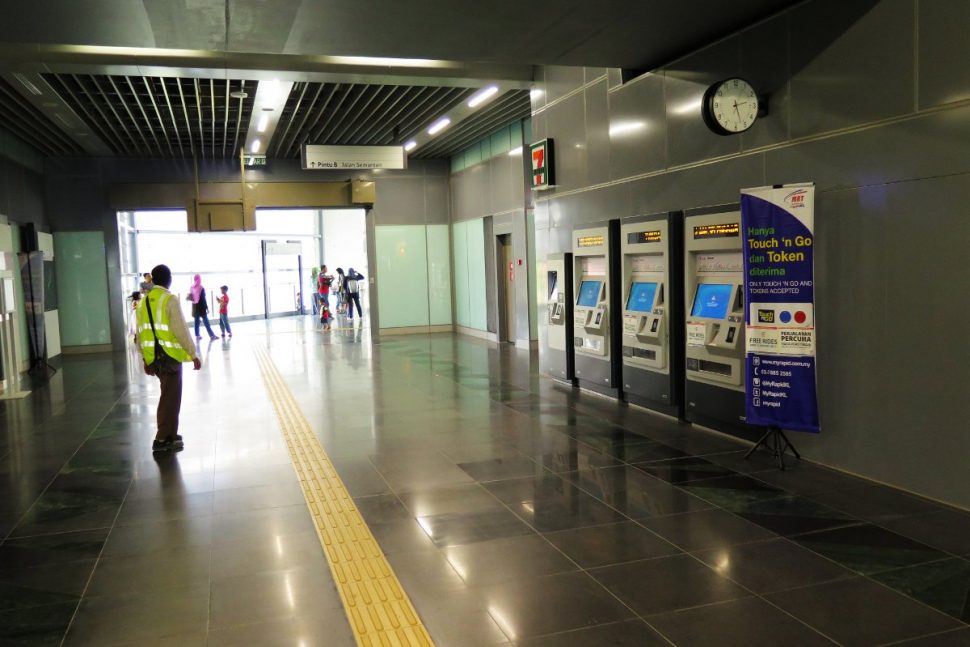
(165, 345)
(200, 307)
(353, 292)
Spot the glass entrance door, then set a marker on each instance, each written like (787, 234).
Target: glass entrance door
(282, 275)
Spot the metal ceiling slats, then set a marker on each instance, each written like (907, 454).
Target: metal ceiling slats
(134, 122)
(412, 98)
(447, 99)
(225, 122)
(239, 118)
(122, 145)
(510, 107)
(105, 132)
(158, 115)
(399, 93)
(367, 113)
(287, 118)
(148, 122)
(354, 113)
(31, 125)
(344, 92)
(420, 114)
(299, 135)
(171, 112)
(461, 139)
(129, 141)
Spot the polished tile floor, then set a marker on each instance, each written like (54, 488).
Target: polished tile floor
(513, 511)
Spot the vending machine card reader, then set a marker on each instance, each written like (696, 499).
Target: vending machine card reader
(556, 353)
(714, 320)
(595, 324)
(652, 290)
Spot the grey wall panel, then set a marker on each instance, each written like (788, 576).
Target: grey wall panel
(765, 63)
(636, 112)
(597, 134)
(942, 42)
(615, 77)
(852, 62)
(491, 288)
(561, 80)
(688, 138)
(76, 203)
(519, 178)
(501, 184)
(593, 73)
(539, 128)
(890, 399)
(925, 146)
(401, 202)
(701, 186)
(565, 125)
(437, 199)
(522, 274)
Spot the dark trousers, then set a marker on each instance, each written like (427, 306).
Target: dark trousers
(224, 324)
(205, 320)
(169, 404)
(353, 298)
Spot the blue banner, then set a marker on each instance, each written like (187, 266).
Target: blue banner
(778, 229)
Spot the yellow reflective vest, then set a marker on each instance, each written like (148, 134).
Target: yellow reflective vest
(158, 298)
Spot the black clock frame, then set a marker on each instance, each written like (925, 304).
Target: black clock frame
(707, 108)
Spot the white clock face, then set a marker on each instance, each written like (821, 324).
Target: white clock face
(734, 105)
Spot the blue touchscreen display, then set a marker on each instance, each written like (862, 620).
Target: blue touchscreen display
(712, 300)
(641, 297)
(589, 294)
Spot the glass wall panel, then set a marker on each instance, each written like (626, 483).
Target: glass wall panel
(460, 241)
(403, 266)
(439, 275)
(82, 286)
(476, 275)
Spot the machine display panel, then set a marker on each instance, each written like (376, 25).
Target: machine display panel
(589, 294)
(712, 300)
(553, 278)
(641, 297)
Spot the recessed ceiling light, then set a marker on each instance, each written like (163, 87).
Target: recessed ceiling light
(482, 95)
(262, 123)
(439, 125)
(411, 145)
(254, 147)
(535, 93)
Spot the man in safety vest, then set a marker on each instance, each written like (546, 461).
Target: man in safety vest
(165, 345)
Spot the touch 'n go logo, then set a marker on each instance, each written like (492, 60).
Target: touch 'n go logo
(796, 199)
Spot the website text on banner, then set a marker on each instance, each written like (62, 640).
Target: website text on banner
(778, 227)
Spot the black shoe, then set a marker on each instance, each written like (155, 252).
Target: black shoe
(168, 445)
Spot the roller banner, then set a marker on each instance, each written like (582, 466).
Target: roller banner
(778, 225)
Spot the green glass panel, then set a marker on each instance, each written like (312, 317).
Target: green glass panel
(82, 288)
(457, 162)
(439, 276)
(476, 275)
(402, 260)
(486, 148)
(459, 238)
(473, 156)
(501, 141)
(527, 130)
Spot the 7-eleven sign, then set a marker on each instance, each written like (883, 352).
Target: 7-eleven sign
(543, 169)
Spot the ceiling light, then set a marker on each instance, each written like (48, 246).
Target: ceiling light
(626, 127)
(33, 89)
(386, 61)
(535, 93)
(239, 94)
(481, 96)
(254, 147)
(263, 122)
(411, 145)
(439, 125)
(515, 151)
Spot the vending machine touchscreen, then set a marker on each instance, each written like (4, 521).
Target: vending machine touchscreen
(595, 340)
(714, 327)
(652, 281)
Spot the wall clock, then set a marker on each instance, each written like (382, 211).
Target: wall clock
(730, 106)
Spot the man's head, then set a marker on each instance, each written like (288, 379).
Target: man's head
(224, 288)
(147, 276)
(161, 276)
(323, 269)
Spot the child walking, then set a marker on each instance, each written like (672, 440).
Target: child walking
(223, 300)
(325, 315)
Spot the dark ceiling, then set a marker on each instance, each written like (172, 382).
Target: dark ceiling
(178, 78)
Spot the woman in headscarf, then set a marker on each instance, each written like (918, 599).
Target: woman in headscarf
(200, 308)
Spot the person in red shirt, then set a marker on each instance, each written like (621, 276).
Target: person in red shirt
(223, 300)
(324, 281)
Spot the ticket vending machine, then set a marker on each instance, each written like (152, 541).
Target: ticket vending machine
(557, 357)
(595, 323)
(652, 299)
(714, 330)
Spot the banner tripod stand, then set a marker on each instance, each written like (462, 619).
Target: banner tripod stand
(777, 443)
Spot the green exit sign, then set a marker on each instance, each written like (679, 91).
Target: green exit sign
(255, 160)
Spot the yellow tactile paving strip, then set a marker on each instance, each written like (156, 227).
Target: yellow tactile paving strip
(378, 609)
